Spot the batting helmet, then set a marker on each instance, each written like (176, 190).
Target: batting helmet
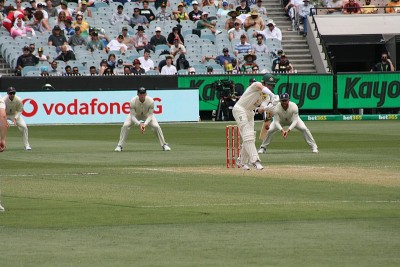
(269, 79)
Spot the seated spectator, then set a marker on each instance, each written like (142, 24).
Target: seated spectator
(243, 47)
(270, 31)
(254, 21)
(160, 3)
(68, 71)
(305, 10)
(119, 68)
(206, 23)
(11, 16)
(195, 14)
(39, 22)
(119, 17)
(176, 33)
(177, 48)
(83, 9)
(127, 70)
(40, 55)
(64, 7)
(140, 40)
(61, 20)
(66, 55)
(127, 37)
(221, 59)
(259, 47)
(210, 70)
(136, 69)
(26, 59)
(103, 66)
(147, 12)
(334, 6)
(284, 65)
(223, 10)
(180, 14)
(393, 7)
(163, 15)
(50, 9)
(385, 64)
(117, 45)
(108, 72)
(111, 61)
(83, 25)
(277, 59)
(243, 8)
(75, 71)
(19, 29)
(157, 39)
(182, 63)
(368, 8)
(236, 32)
(40, 7)
(191, 71)
(351, 7)
(77, 39)
(68, 30)
(54, 69)
(207, 3)
(249, 63)
(93, 71)
(146, 62)
(32, 9)
(169, 68)
(138, 19)
(260, 9)
(44, 71)
(57, 39)
(95, 43)
(230, 22)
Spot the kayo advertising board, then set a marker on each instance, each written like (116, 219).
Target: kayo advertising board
(105, 106)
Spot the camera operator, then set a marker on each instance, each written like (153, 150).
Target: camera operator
(228, 95)
(385, 64)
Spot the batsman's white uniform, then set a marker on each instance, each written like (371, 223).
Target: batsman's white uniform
(244, 116)
(141, 112)
(291, 118)
(14, 110)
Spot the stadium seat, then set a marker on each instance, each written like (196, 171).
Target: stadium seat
(27, 69)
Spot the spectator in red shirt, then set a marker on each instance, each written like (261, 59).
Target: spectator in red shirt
(352, 7)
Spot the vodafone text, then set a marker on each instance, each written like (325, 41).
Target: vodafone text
(94, 107)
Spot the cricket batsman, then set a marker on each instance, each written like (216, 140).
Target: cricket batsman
(243, 113)
(141, 109)
(286, 113)
(14, 108)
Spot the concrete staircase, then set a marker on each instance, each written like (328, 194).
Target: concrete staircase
(294, 45)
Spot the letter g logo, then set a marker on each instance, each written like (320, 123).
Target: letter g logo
(34, 107)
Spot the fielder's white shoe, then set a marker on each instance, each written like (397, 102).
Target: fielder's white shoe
(315, 150)
(1, 208)
(118, 149)
(166, 147)
(257, 165)
(28, 148)
(262, 150)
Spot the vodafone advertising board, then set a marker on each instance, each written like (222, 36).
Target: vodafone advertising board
(52, 107)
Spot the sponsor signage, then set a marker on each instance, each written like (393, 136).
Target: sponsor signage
(307, 91)
(350, 117)
(53, 107)
(372, 90)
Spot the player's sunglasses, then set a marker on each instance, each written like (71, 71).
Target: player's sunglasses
(12, 93)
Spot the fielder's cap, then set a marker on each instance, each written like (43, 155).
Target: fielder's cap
(225, 50)
(136, 61)
(40, 49)
(269, 79)
(284, 96)
(195, 3)
(11, 90)
(158, 29)
(57, 28)
(141, 90)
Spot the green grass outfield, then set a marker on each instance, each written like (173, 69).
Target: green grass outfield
(73, 201)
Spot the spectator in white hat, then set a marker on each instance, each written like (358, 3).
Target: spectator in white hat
(270, 31)
(196, 13)
(157, 39)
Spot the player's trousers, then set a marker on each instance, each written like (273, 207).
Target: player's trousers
(155, 127)
(22, 127)
(245, 121)
(301, 126)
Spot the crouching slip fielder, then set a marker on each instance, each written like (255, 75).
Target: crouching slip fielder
(286, 113)
(142, 107)
(14, 108)
(254, 95)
